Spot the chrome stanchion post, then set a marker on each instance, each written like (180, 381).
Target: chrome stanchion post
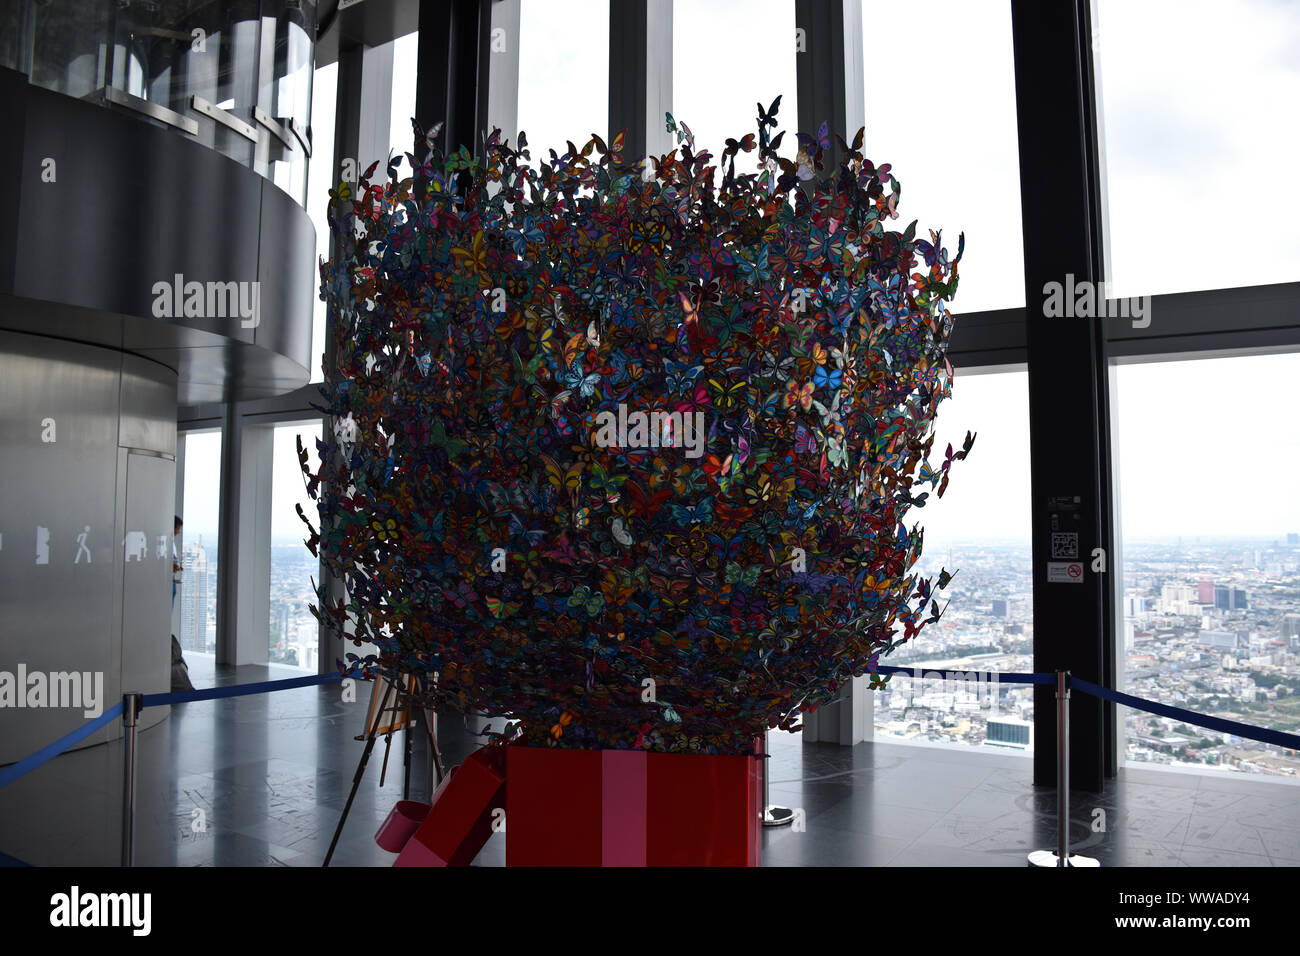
(1062, 855)
(1062, 770)
(130, 711)
(773, 816)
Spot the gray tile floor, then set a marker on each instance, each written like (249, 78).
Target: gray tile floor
(261, 781)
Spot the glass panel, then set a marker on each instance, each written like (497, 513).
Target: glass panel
(1199, 122)
(981, 530)
(236, 55)
(941, 107)
(195, 617)
(294, 634)
(401, 137)
(718, 83)
(286, 55)
(323, 175)
(65, 45)
(1211, 559)
(563, 73)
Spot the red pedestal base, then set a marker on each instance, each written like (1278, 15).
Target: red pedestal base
(631, 808)
(587, 808)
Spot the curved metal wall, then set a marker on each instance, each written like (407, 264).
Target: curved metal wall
(85, 533)
(111, 209)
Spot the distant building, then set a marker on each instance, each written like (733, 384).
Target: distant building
(194, 599)
(1010, 733)
(1177, 599)
(1218, 640)
(1204, 592)
(999, 608)
(1229, 598)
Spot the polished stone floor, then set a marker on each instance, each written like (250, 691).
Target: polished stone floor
(261, 781)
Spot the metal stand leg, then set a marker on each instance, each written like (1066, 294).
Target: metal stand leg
(430, 715)
(773, 816)
(130, 711)
(406, 758)
(361, 769)
(1062, 855)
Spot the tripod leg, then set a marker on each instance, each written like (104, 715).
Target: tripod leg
(433, 744)
(356, 779)
(383, 768)
(406, 757)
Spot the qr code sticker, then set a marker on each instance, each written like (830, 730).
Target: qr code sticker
(1065, 546)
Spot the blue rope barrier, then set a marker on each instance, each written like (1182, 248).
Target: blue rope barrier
(1002, 678)
(1275, 737)
(241, 690)
(25, 766)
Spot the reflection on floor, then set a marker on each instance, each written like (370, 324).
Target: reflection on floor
(261, 781)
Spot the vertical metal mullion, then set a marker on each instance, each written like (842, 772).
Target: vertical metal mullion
(627, 84)
(347, 141)
(1109, 517)
(1069, 458)
(641, 75)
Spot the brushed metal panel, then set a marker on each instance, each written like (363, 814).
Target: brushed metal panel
(147, 578)
(58, 548)
(148, 415)
(140, 219)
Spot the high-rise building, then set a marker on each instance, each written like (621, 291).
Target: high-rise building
(1177, 599)
(1218, 640)
(999, 608)
(1204, 591)
(1228, 598)
(194, 599)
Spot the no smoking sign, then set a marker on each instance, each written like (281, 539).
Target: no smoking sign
(1065, 572)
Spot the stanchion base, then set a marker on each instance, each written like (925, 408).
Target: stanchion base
(1048, 858)
(775, 816)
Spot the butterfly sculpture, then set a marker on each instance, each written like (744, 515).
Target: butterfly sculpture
(495, 311)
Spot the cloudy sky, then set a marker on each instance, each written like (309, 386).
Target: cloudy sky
(1201, 135)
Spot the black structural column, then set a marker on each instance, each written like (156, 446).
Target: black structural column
(451, 85)
(1070, 452)
(825, 89)
(628, 48)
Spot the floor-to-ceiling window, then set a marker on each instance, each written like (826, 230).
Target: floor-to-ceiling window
(197, 595)
(1199, 137)
(1208, 462)
(323, 175)
(940, 98)
(717, 93)
(293, 638)
(563, 73)
(979, 532)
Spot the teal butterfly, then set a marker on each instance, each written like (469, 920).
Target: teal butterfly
(693, 514)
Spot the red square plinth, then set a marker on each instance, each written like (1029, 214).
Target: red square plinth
(554, 818)
(459, 821)
(631, 808)
(705, 810)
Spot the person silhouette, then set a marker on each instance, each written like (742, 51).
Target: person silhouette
(81, 546)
